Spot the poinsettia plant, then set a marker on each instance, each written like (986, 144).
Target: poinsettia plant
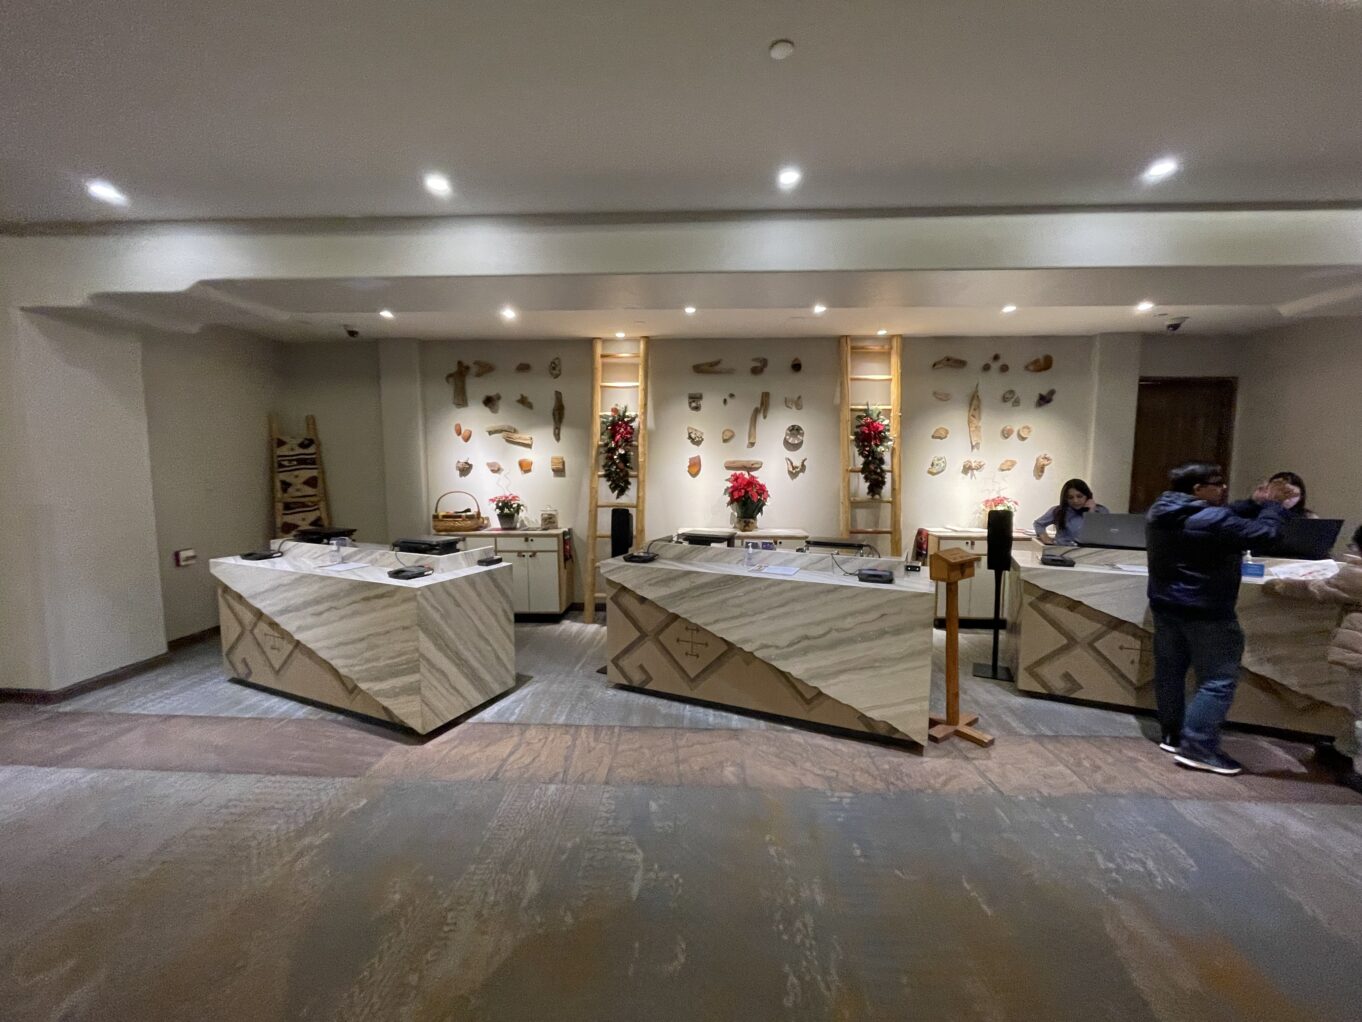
(999, 503)
(747, 495)
(618, 429)
(873, 439)
(507, 504)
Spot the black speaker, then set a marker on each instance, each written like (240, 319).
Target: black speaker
(1000, 540)
(621, 531)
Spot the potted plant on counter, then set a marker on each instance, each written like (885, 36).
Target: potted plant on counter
(509, 508)
(747, 496)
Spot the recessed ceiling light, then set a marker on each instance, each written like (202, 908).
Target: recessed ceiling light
(819, 309)
(438, 185)
(619, 334)
(789, 178)
(102, 190)
(386, 313)
(1009, 309)
(1144, 306)
(780, 49)
(880, 333)
(1164, 167)
(508, 313)
(690, 310)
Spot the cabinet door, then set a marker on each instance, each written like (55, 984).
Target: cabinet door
(543, 581)
(520, 581)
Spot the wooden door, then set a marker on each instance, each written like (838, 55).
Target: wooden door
(1179, 419)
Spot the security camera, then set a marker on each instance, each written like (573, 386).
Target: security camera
(1175, 324)
(352, 332)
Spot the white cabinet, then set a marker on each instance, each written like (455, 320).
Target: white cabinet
(539, 579)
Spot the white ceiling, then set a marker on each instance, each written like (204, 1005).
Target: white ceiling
(924, 303)
(257, 108)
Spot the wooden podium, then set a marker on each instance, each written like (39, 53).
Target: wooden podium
(952, 567)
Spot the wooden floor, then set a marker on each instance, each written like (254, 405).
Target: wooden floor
(180, 846)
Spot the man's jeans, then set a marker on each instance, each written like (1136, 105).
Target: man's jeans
(1213, 649)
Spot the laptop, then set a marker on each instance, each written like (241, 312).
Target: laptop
(1304, 539)
(1114, 532)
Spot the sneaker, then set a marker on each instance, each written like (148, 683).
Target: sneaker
(1215, 762)
(1169, 743)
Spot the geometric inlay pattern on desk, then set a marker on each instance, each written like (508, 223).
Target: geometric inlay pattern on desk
(652, 648)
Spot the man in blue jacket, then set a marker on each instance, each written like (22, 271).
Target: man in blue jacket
(1196, 545)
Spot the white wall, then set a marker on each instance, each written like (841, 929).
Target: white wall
(208, 399)
(1062, 429)
(85, 585)
(808, 501)
(339, 384)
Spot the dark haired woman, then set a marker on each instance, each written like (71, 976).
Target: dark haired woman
(1295, 508)
(1075, 501)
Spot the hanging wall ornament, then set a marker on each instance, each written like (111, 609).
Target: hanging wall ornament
(617, 439)
(940, 433)
(1044, 399)
(997, 357)
(740, 465)
(949, 362)
(711, 368)
(492, 403)
(459, 379)
(1024, 433)
(970, 467)
(795, 470)
(522, 367)
(525, 401)
(941, 395)
(796, 365)
(496, 429)
(526, 464)
(693, 401)
(1042, 463)
(1016, 402)
(558, 465)
(937, 466)
(1007, 432)
(1040, 365)
(519, 439)
(464, 467)
(794, 437)
(976, 420)
(765, 404)
(873, 439)
(727, 435)
(695, 436)
(1008, 395)
(693, 466)
(494, 467)
(752, 427)
(481, 368)
(555, 367)
(759, 366)
(1007, 466)
(466, 435)
(1004, 368)
(558, 415)
(986, 366)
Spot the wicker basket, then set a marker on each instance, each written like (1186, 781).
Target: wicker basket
(457, 521)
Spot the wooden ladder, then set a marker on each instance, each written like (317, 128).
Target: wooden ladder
(297, 480)
(612, 386)
(870, 375)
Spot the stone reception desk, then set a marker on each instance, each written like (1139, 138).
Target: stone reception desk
(816, 646)
(1085, 632)
(415, 653)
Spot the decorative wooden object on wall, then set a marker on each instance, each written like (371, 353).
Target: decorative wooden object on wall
(1004, 368)
(727, 435)
(940, 433)
(525, 464)
(557, 415)
(759, 365)
(1006, 432)
(795, 470)
(740, 465)
(1008, 465)
(464, 467)
(695, 436)
(1040, 365)
(711, 368)
(937, 466)
(794, 437)
(796, 402)
(459, 379)
(494, 467)
(523, 400)
(1024, 433)
(501, 427)
(1042, 463)
(693, 401)
(1008, 395)
(492, 402)
(555, 367)
(1044, 399)
(522, 367)
(971, 466)
(949, 362)
(557, 465)
(752, 427)
(765, 405)
(481, 368)
(693, 466)
(941, 395)
(976, 420)
(519, 439)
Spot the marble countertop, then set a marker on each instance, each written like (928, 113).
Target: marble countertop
(366, 572)
(814, 568)
(734, 533)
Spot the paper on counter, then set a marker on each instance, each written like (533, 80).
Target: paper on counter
(1135, 569)
(1308, 570)
(776, 569)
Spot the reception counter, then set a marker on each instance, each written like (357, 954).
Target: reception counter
(416, 653)
(815, 645)
(1086, 632)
